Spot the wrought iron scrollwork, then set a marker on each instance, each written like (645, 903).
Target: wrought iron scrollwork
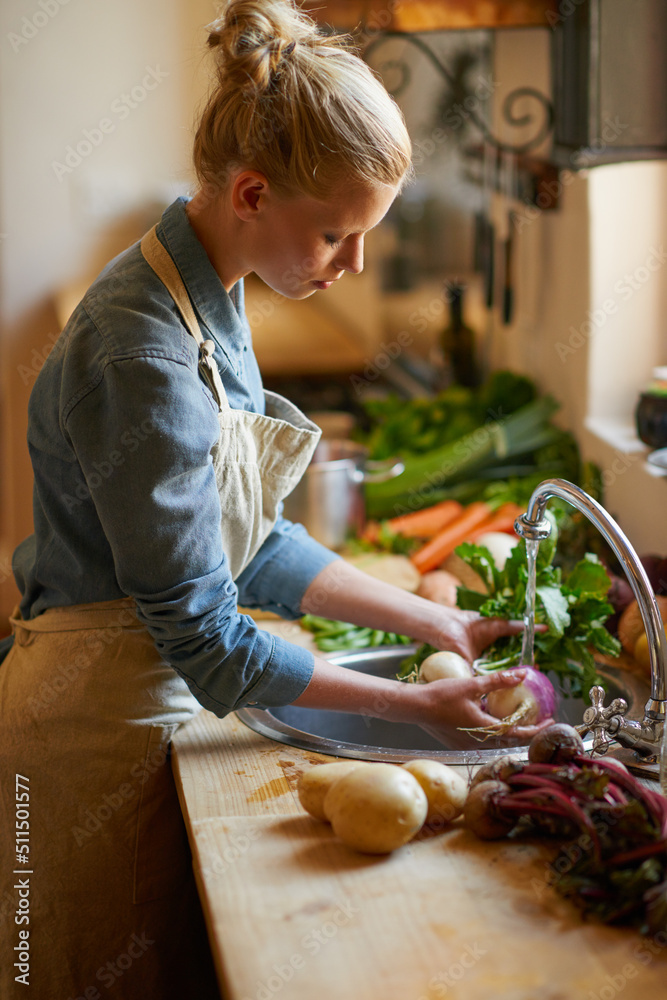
(545, 124)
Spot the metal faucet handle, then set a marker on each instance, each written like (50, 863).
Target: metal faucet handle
(601, 742)
(601, 721)
(618, 706)
(597, 714)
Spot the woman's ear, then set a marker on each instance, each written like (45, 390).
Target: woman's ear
(249, 194)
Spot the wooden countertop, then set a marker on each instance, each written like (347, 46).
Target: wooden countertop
(294, 914)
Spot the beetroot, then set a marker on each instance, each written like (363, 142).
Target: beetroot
(556, 744)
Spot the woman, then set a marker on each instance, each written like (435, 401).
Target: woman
(160, 466)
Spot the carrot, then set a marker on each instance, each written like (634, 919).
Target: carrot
(371, 532)
(475, 515)
(426, 522)
(502, 520)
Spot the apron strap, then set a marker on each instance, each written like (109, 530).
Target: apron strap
(162, 263)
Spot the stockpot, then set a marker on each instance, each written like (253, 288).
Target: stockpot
(329, 500)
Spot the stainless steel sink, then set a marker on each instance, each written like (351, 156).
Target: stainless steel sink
(342, 734)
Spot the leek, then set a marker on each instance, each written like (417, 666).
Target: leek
(489, 445)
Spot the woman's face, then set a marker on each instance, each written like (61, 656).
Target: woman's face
(302, 245)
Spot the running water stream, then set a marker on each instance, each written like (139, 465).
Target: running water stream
(528, 643)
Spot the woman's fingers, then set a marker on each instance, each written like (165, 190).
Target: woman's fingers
(469, 633)
(498, 679)
(520, 735)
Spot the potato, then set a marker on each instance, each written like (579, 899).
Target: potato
(314, 784)
(457, 567)
(390, 568)
(376, 808)
(439, 586)
(446, 789)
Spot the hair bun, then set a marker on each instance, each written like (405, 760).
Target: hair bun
(296, 105)
(253, 38)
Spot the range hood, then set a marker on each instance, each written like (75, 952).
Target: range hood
(610, 81)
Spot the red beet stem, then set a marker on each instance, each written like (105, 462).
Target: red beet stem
(646, 851)
(655, 805)
(570, 810)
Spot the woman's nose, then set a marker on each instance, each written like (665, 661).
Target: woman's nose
(351, 256)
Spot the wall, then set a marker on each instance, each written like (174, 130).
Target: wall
(591, 301)
(590, 298)
(96, 103)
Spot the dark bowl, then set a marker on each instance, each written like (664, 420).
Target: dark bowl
(651, 419)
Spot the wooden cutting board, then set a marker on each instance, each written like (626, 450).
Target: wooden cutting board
(294, 914)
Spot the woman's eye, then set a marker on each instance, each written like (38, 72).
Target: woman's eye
(332, 241)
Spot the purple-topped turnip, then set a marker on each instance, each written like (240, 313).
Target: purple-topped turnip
(526, 704)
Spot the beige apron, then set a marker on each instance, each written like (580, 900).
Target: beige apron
(258, 459)
(87, 710)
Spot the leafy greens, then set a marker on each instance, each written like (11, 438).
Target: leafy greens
(574, 609)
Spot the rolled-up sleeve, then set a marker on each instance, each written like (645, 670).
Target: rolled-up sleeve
(143, 436)
(286, 564)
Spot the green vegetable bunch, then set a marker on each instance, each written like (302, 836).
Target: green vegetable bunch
(417, 426)
(333, 636)
(574, 609)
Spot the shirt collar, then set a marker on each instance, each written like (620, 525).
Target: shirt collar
(221, 311)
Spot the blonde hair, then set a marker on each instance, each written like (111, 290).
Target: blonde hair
(296, 105)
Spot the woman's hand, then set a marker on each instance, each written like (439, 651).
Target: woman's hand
(440, 707)
(449, 705)
(469, 633)
(343, 592)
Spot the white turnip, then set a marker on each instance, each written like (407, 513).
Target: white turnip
(444, 665)
(528, 703)
(499, 544)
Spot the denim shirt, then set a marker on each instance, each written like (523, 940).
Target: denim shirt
(121, 428)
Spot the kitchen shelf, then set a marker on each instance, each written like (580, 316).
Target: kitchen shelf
(432, 15)
(618, 434)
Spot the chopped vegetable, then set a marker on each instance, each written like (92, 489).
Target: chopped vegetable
(443, 544)
(333, 636)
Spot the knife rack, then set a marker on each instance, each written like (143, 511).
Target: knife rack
(536, 182)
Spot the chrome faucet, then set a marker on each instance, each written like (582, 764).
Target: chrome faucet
(608, 724)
